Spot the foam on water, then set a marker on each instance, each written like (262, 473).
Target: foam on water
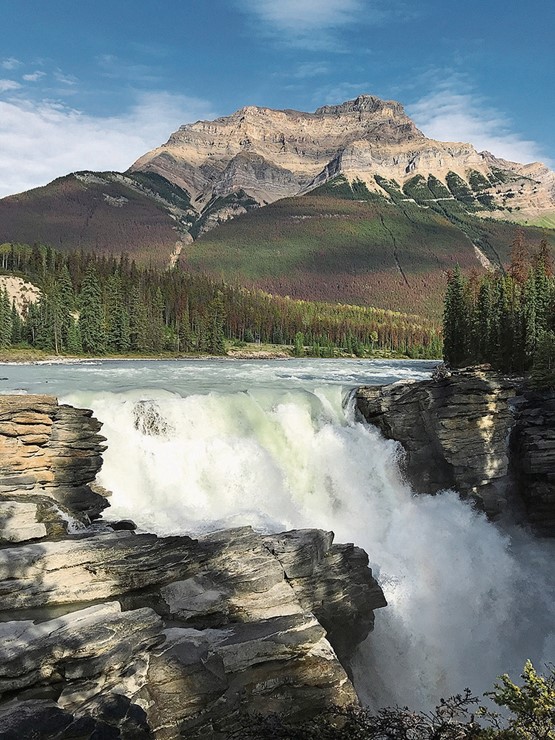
(197, 446)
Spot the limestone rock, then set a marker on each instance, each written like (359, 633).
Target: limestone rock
(454, 431)
(108, 633)
(51, 451)
(271, 154)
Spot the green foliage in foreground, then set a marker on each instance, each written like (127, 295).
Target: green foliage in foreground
(529, 715)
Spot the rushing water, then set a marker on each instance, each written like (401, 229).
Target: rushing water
(198, 445)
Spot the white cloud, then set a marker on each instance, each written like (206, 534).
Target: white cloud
(314, 24)
(307, 23)
(453, 112)
(6, 85)
(44, 140)
(59, 76)
(339, 93)
(302, 16)
(10, 63)
(34, 77)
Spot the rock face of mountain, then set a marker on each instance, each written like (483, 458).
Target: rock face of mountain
(108, 633)
(271, 154)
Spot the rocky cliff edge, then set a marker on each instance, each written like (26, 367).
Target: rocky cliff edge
(477, 433)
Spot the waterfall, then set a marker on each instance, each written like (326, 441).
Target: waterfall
(467, 600)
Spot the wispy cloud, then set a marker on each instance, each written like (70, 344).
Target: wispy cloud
(311, 24)
(334, 94)
(10, 63)
(7, 85)
(64, 79)
(43, 140)
(308, 70)
(317, 24)
(453, 111)
(34, 76)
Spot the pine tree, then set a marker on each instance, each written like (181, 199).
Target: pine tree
(543, 369)
(455, 321)
(216, 321)
(91, 326)
(74, 345)
(138, 322)
(5, 320)
(17, 325)
(530, 323)
(185, 337)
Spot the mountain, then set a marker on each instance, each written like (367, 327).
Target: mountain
(349, 203)
(264, 155)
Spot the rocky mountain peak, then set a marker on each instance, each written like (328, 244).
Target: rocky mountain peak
(268, 154)
(363, 104)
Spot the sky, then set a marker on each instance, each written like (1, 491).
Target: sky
(94, 85)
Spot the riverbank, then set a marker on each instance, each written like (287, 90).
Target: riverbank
(247, 352)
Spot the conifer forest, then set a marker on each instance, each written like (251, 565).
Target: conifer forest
(95, 306)
(505, 319)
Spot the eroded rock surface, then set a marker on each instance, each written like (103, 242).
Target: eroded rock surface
(49, 454)
(108, 633)
(455, 432)
(533, 458)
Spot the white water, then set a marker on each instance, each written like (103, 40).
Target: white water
(272, 446)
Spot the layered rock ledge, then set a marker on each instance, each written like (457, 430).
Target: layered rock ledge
(109, 633)
(477, 433)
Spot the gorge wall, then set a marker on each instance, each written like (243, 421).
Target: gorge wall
(477, 433)
(115, 634)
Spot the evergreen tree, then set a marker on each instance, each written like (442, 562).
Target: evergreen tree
(455, 321)
(543, 369)
(5, 320)
(118, 334)
(91, 325)
(216, 322)
(185, 337)
(17, 325)
(138, 321)
(482, 324)
(74, 345)
(530, 323)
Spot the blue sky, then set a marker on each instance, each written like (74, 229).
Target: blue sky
(93, 85)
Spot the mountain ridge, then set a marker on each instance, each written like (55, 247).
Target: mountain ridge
(351, 203)
(271, 154)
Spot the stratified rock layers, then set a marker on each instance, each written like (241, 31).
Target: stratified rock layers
(116, 634)
(455, 431)
(470, 432)
(271, 154)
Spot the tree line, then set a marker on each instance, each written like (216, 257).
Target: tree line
(100, 305)
(504, 318)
